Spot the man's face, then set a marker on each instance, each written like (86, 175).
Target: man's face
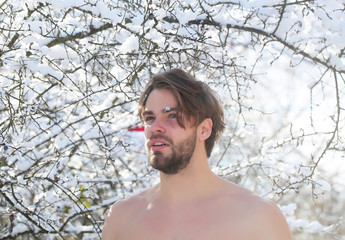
(169, 146)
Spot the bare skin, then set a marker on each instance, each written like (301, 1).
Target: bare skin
(194, 203)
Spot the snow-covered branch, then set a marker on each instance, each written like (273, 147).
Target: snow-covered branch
(71, 73)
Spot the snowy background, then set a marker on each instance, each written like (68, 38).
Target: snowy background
(71, 73)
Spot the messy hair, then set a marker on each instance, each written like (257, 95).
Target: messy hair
(196, 101)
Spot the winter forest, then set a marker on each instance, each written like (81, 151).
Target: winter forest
(71, 72)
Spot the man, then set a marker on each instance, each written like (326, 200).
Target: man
(183, 119)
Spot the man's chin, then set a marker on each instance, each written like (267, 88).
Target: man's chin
(159, 163)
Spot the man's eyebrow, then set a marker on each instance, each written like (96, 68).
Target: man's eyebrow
(164, 110)
(147, 112)
(168, 109)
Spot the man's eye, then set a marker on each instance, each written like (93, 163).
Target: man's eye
(148, 119)
(173, 115)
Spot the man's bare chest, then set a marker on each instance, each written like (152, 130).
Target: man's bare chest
(206, 223)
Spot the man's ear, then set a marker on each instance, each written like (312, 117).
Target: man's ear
(205, 129)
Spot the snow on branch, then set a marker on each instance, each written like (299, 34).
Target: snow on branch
(71, 73)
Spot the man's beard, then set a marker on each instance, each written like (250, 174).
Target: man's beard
(177, 160)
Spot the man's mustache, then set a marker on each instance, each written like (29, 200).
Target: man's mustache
(165, 138)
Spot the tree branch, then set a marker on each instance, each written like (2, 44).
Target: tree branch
(79, 35)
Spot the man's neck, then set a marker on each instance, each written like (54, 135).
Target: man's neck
(197, 181)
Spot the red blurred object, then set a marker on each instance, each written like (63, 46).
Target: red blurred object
(136, 129)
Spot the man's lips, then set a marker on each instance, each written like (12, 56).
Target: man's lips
(158, 144)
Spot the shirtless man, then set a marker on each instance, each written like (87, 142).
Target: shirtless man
(183, 119)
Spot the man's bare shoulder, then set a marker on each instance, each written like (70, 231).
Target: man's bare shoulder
(263, 216)
(270, 221)
(120, 212)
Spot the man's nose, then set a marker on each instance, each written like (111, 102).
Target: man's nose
(157, 126)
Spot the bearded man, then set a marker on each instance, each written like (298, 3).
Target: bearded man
(183, 118)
